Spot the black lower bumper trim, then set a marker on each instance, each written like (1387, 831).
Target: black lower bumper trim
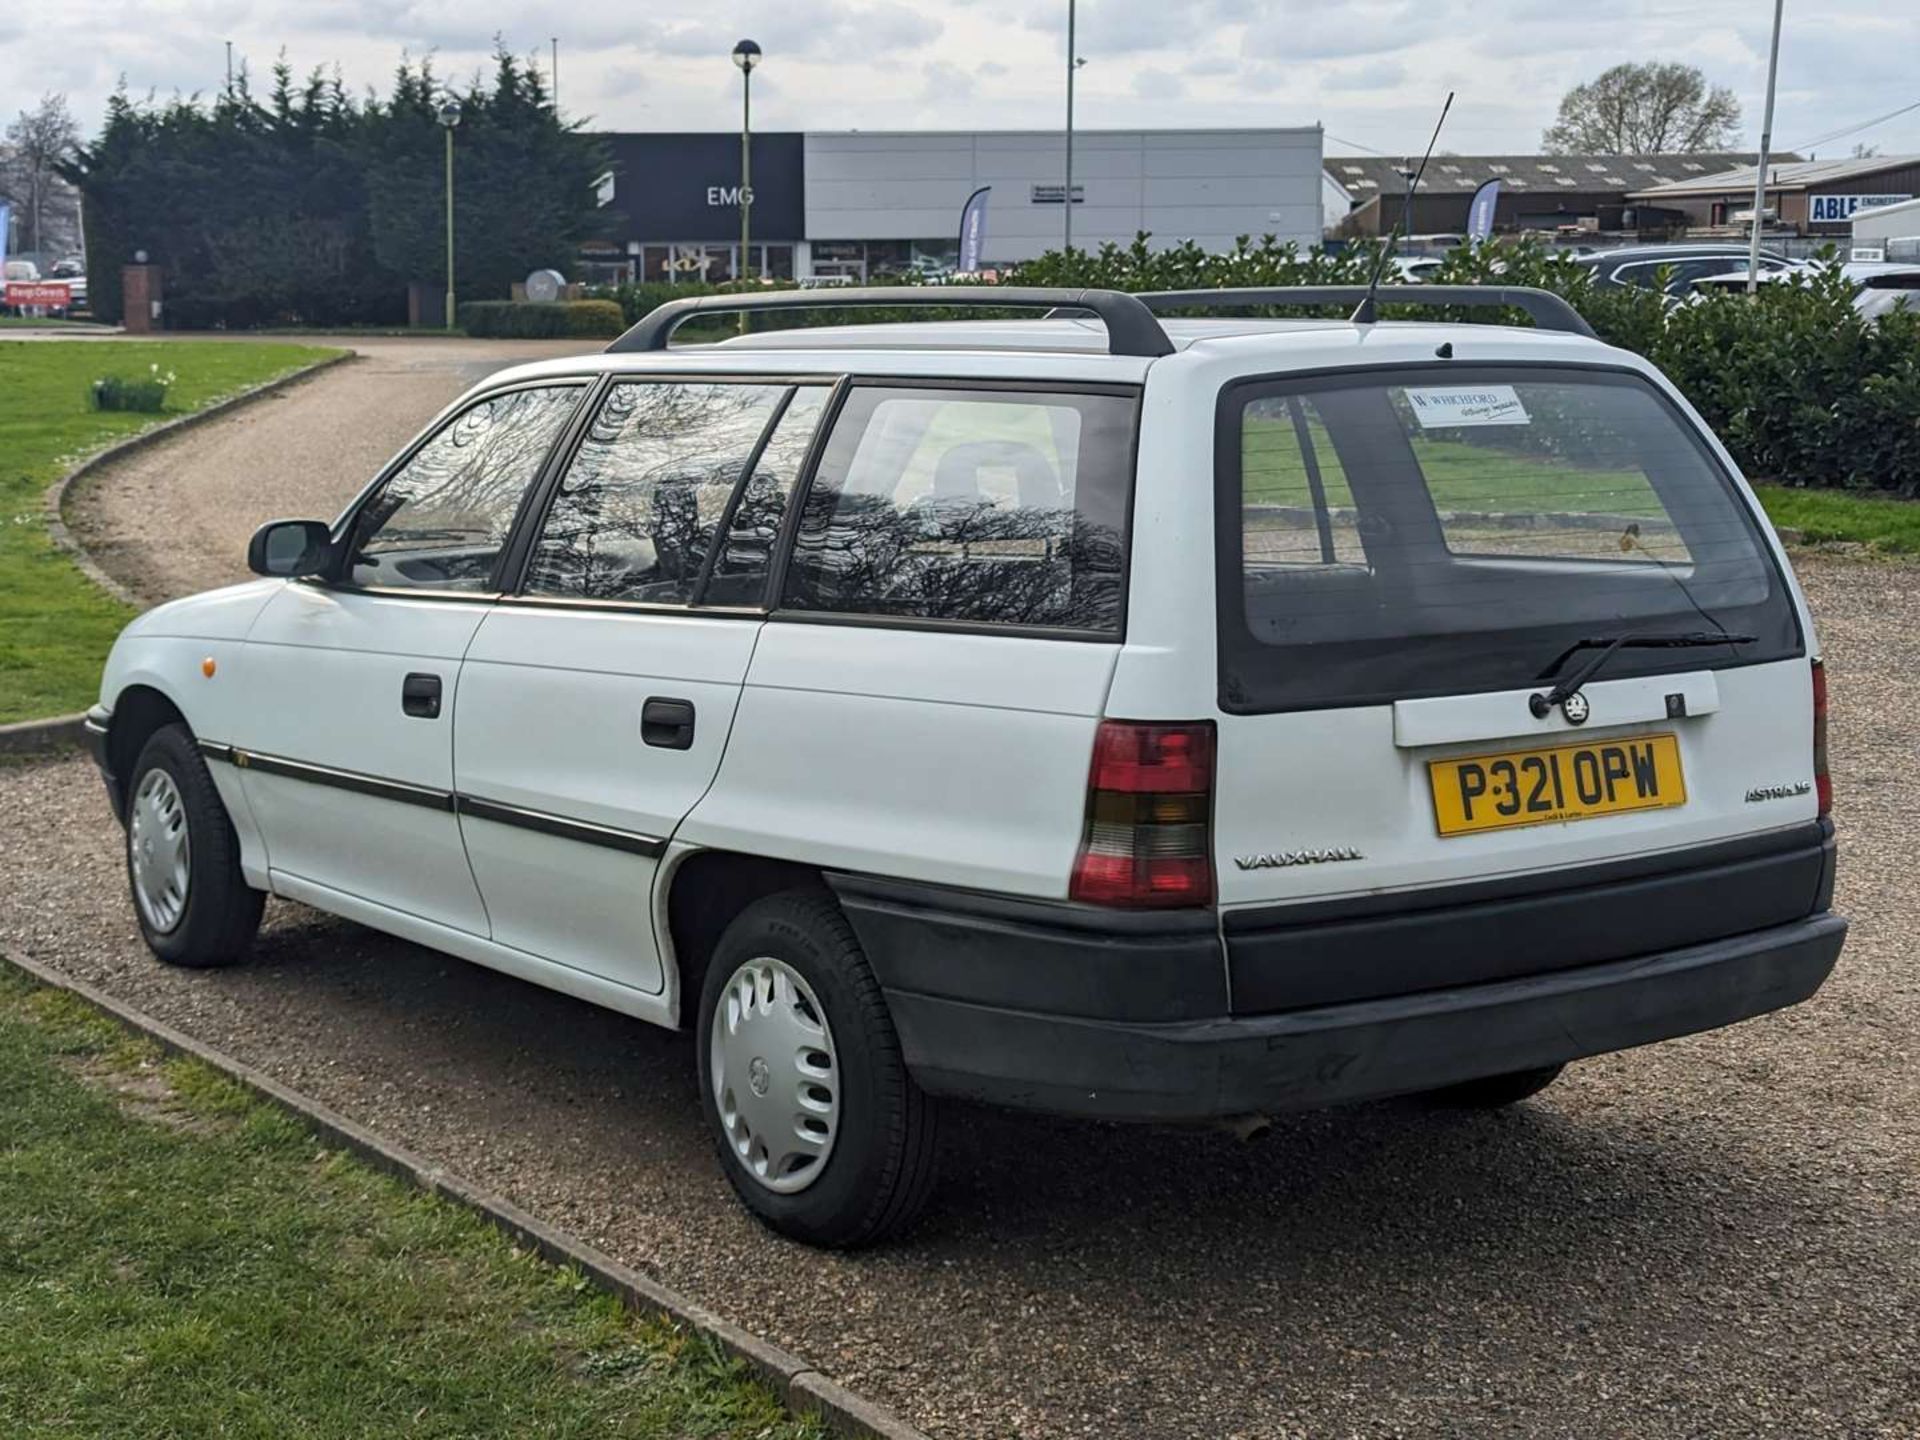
(93, 734)
(1362, 1050)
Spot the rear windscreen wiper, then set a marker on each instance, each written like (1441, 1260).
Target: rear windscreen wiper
(1542, 704)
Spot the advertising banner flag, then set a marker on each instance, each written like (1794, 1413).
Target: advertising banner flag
(6, 221)
(973, 229)
(1480, 212)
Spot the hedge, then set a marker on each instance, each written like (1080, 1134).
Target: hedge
(1799, 386)
(532, 320)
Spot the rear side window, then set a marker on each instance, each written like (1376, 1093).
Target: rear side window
(656, 476)
(986, 507)
(1437, 531)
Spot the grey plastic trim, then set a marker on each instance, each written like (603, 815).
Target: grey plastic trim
(565, 827)
(1131, 327)
(1547, 310)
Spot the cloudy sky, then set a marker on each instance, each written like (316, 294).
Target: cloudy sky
(1371, 71)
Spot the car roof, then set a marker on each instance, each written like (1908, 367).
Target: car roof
(1652, 252)
(1070, 349)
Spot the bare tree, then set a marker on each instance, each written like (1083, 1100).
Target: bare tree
(1652, 109)
(39, 140)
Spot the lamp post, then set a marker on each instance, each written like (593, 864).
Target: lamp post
(1760, 168)
(746, 55)
(1074, 62)
(449, 117)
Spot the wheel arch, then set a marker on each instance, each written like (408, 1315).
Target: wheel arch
(700, 894)
(138, 711)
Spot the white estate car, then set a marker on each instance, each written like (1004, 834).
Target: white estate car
(1102, 713)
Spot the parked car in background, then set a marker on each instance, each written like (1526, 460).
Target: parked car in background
(1416, 268)
(1675, 268)
(1883, 286)
(1104, 714)
(1878, 288)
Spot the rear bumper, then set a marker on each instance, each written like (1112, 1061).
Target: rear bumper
(959, 1039)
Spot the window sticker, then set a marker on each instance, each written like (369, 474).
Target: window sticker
(1452, 407)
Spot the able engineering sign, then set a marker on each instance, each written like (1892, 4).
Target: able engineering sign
(1838, 209)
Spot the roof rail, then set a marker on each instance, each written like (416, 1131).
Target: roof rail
(1548, 311)
(1131, 327)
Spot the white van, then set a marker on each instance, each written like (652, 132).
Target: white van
(1105, 713)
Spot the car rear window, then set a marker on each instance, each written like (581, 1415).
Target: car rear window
(1437, 530)
(970, 506)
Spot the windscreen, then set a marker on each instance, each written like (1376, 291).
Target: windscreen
(1448, 529)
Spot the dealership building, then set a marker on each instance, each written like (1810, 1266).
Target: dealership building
(855, 204)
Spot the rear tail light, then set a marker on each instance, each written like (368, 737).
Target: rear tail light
(1822, 781)
(1149, 839)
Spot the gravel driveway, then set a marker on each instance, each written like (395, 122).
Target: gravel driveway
(300, 453)
(1715, 1237)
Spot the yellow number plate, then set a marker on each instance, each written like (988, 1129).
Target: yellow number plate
(1472, 793)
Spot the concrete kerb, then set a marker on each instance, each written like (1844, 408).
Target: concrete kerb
(54, 500)
(800, 1386)
(32, 737)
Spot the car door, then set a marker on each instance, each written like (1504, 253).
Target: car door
(594, 704)
(344, 733)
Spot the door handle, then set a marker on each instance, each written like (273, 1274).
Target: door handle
(420, 696)
(667, 724)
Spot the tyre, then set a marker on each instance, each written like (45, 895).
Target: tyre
(1493, 1091)
(821, 1130)
(183, 861)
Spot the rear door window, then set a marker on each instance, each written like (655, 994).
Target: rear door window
(1389, 535)
(984, 507)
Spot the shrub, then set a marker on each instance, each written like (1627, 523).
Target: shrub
(1798, 385)
(144, 393)
(531, 320)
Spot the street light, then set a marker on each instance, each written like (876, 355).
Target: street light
(1760, 165)
(1074, 62)
(746, 55)
(449, 115)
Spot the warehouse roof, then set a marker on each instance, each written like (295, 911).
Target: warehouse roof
(1789, 173)
(1365, 176)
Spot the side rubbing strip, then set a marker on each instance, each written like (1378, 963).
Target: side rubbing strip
(352, 780)
(584, 831)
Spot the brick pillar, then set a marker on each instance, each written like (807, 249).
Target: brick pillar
(140, 293)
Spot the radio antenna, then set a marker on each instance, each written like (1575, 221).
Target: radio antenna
(1365, 313)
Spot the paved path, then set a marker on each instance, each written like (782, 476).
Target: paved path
(174, 518)
(1719, 1236)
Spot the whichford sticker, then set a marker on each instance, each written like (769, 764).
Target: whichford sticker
(1279, 859)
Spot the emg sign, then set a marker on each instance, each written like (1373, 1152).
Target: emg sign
(1838, 209)
(729, 194)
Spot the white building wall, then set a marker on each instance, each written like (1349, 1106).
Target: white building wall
(1209, 186)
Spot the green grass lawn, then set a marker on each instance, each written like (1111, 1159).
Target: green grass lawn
(1820, 516)
(179, 1258)
(55, 627)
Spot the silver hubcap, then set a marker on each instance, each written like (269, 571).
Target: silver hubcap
(775, 1080)
(157, 845)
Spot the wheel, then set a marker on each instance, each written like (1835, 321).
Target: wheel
(821, 1130)
(183, 862)
(1490, 1092)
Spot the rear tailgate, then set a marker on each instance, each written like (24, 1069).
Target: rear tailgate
(1407, 557)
